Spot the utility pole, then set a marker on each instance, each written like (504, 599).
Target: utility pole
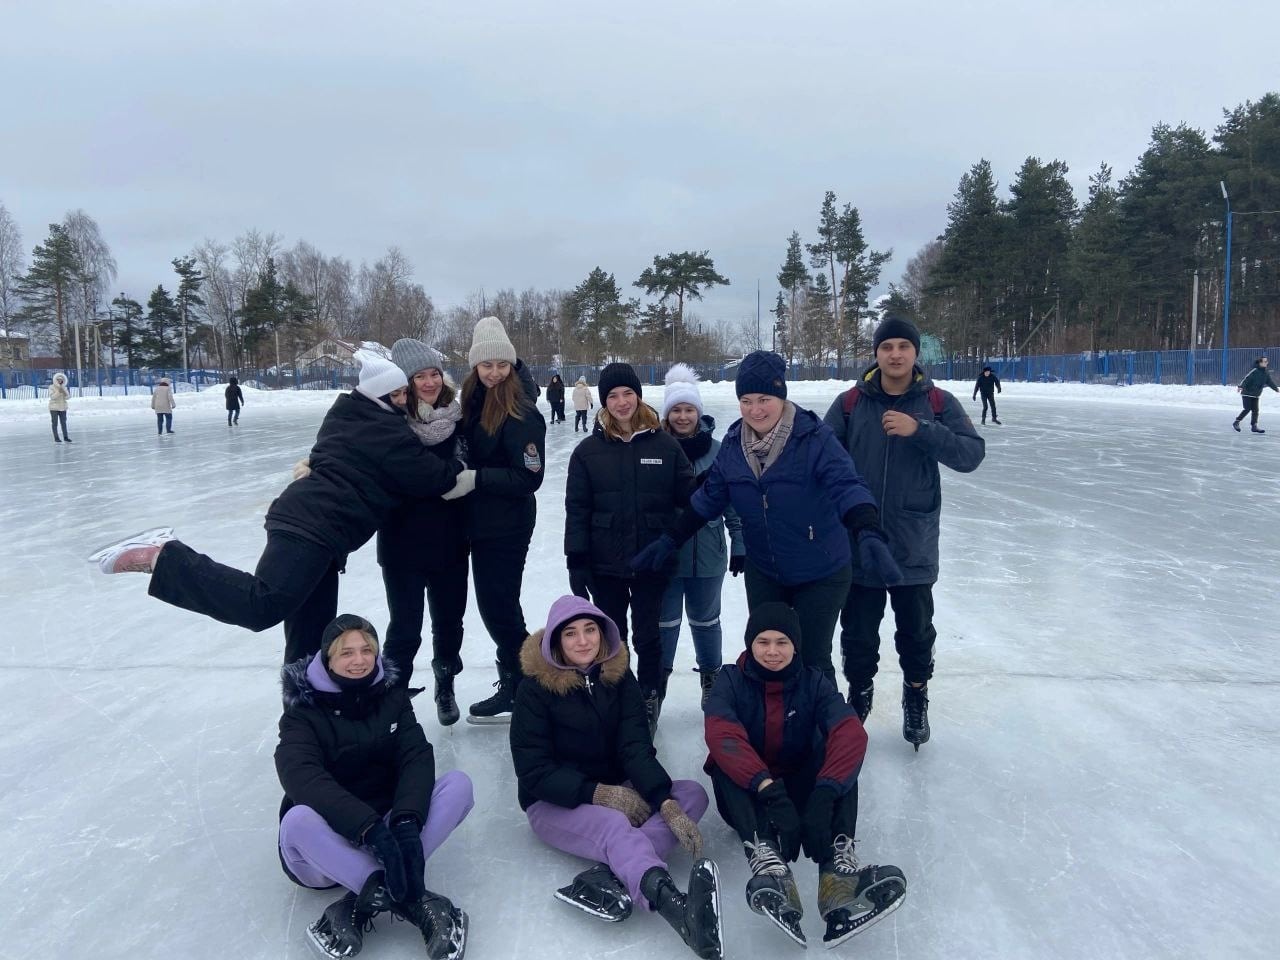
(1226, 286)
(1195, 305)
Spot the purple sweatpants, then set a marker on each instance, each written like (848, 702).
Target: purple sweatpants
(319, 857)
(602, 833)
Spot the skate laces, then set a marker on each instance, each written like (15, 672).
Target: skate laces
(916, 699)
(764, 860)
(846, 861)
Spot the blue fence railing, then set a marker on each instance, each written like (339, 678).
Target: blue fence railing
(1115, 367)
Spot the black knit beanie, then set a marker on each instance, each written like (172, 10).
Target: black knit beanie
(618, 375)
(893, 328)
(762, 372)
(774, 615)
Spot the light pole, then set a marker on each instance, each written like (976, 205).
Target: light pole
(1226, 286)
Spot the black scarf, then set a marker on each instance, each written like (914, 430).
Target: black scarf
(696, 446)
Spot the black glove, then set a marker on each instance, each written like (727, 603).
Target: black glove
(784, 819)
(874, 556)
(387, 852)
(408, 834)
(579, 575)
(817, 823)
(701, 478)
(737, 563)
(655, 556)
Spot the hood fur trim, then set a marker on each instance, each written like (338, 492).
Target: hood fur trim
(560, 681)
(300, 691)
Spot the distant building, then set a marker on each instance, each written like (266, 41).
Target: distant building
(15, 351)
(331, 353)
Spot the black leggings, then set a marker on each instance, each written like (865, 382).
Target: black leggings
(446, 594)
(579, 420)
(497, 574)
(989, 402)
(747, 815)
(643, 595)
(1250, 407)
(58, 417)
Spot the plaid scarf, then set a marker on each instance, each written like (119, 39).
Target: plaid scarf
(763, 451)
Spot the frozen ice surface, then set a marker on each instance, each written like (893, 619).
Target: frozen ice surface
(1101, 780)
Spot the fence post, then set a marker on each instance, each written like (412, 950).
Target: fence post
(1159, 357)
(1191, 367)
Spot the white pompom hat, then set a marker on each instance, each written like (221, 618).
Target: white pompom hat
(682, 387)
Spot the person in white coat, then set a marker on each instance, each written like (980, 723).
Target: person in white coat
(58, 396)
(162, 403)
(582, 403)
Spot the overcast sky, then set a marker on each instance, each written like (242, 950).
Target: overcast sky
(521, 144)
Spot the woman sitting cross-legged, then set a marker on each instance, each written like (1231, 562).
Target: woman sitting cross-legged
(362, 805)
(591, 784)
(770, 717)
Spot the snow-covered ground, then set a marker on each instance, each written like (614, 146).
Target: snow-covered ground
(1100, 781)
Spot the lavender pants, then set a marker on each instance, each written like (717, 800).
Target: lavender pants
(602, 833)
(318, 856)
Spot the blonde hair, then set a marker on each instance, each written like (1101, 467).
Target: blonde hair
(500, 402)
(336, 643)
(645, 418)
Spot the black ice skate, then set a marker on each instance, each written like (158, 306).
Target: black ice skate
(996, 422)
(1257, 430)
(851, 899)
(446, 702)
(915, 715)
(1235, 425)
(341, 928)
(599, 893)
(860, 700)
(496, 709)
(771, 891)
(707, 678)
(442, 925)
(694, 916)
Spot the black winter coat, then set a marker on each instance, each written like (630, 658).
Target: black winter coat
(351, 758)
(571, 732)
(234, 395)
(509, 468)
(555, 393)
(365, 462)
(429, 533)
(623, 495)
(987, 385)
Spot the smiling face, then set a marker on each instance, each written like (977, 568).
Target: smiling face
(772, 649)
(683, 419)
(621, 404)
(896, 357)
(399, 397)
(352, 655)
(580, 642)
(493, 372)
(761, 411)
(427, 384)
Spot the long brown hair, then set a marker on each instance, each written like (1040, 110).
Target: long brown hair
(500, 402)
(645, 418)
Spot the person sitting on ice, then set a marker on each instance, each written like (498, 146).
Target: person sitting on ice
(785, 751)
(363, 808)
(591, 784)
(365, 462)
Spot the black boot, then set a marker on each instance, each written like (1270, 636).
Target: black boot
(497, 708)
(442, 925)
(860, 699)
(1235, 425)
(652, 709)
(1257, 429)
(707, 678)
(915, 714)
(341, 928)
(695, 917)
(446, 702)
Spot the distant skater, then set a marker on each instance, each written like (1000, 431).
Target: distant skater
(988, 384)
(58, 396)
(162, 403)
(555, 397)
(582, 404)
(1251, 392)
(235, 400)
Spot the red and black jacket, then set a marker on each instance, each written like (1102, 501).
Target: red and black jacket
(758, 727)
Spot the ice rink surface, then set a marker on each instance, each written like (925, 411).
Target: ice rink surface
(1101, 780)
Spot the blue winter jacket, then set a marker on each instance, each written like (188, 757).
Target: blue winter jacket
(791, 516)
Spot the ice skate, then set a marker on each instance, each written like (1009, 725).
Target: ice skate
(1256, 430)
(497, 708)
(446, 702)
(851, 899)
(598, 892)
(860, 700)
(996, 422)
(1235, 425)
(133, 554)
(695, 916)
(915, 714)
(341, 928)
(442, 925)
(707, 680)
(771, 891)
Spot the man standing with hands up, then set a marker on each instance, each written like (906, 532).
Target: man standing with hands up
(898, 427)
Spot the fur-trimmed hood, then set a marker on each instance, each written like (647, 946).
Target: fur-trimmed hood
(303, 680)
(538, 664)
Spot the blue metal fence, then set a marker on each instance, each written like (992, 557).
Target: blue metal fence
(1124, 367)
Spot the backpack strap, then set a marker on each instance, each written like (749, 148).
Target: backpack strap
(851, 397)
(937, 401)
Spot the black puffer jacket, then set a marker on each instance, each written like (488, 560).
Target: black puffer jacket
(430, 533)
(621, 496)
(365, 462)
(571, 732)
(351, 757)
(509, 468)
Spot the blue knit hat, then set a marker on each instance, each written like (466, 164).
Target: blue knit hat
(762, 372)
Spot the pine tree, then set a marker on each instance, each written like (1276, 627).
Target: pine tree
(680, 275)
(158, 344)
(861, 273)
(47, 287)
(187, 297)
(968, 270)
(781, 330)
(1040, 216)
(598, 320)
(128, 313)
(792, 278)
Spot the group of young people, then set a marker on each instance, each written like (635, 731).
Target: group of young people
(828, 518)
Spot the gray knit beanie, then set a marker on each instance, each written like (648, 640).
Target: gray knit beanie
(490, 342)
(412, 356)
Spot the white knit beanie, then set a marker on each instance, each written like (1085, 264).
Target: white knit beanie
(682, 387)
(490, 342)
(378, 375)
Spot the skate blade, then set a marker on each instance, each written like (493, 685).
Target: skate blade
(830, 940)
(145, 538)
(500, 720)
(318, 948)
(458, 943)
(788, 921)
(563, 896)
(715, 905)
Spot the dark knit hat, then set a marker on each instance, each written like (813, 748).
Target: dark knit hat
(985, 369)
(774, 615)
(340, 625)
(892, 328)
(762, 372)
(618, 375)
